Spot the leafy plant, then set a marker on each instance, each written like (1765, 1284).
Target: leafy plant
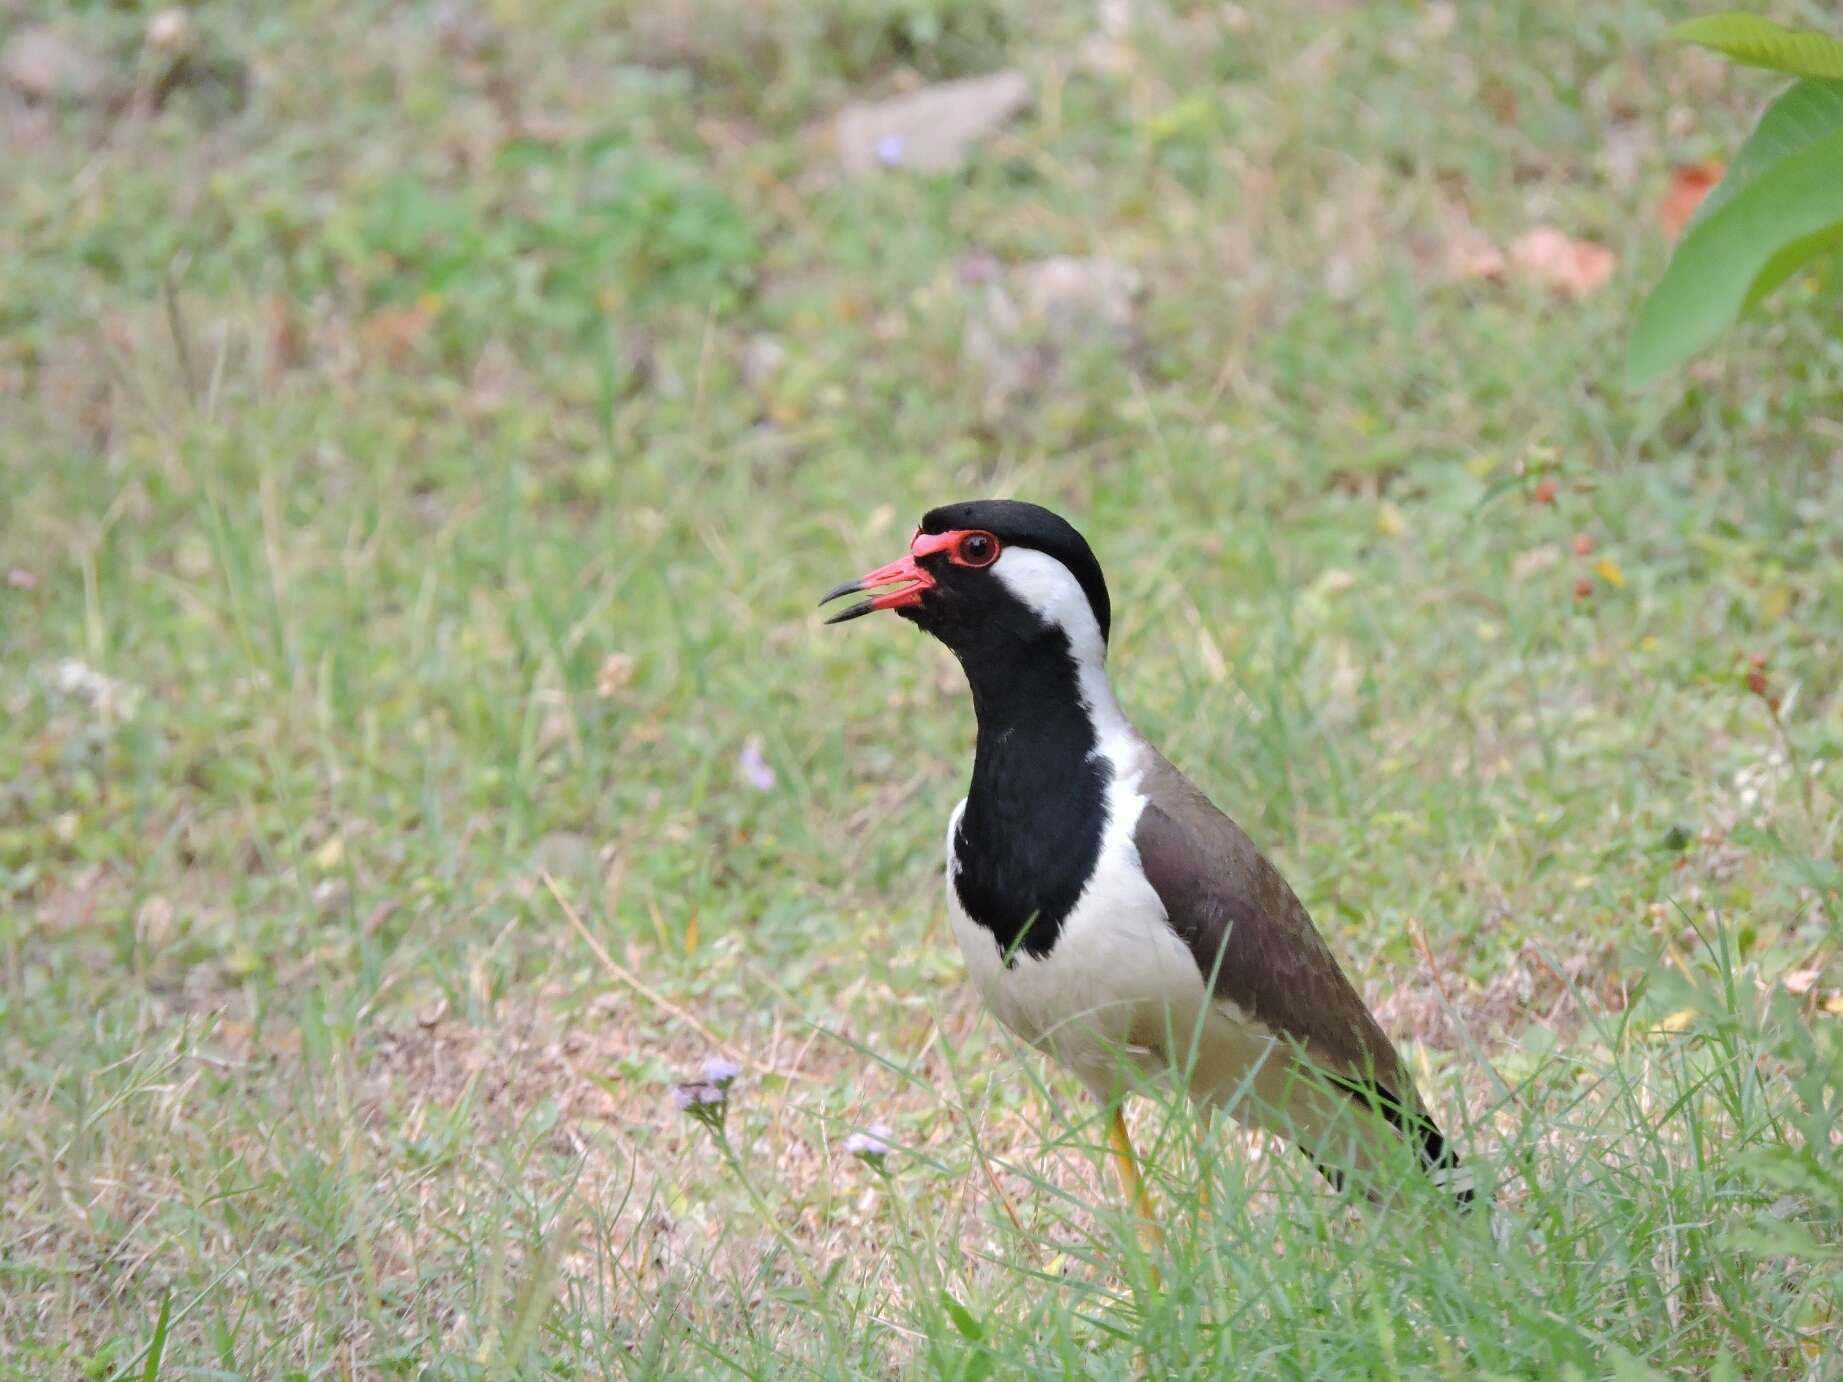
(1779, 208)
(583, 229)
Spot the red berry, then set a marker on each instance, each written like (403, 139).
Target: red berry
(1545, 491)
(1758, 660)
(1583, 587)
(1583, 545)
(1756, 682)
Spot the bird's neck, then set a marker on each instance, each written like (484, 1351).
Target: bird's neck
(1045, 711)
(1031, 832)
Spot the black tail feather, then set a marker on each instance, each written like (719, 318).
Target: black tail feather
(1438, 1157)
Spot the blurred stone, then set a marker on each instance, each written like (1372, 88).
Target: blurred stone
(1624, 150)
(43, 64)
(995, 348)
(1064, 293)
(170, 31)
(931, 130)
(762, 358)
(1028, 318)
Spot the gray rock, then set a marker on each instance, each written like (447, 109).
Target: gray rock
(45, 65)
(931, 130)
(1027, 320)
(1064, 293)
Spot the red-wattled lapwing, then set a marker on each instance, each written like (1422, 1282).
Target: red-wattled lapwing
(1109, 913)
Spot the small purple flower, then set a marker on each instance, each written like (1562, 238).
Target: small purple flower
(708, 1100)
(872, 1145)
(703, 1101)
(695, 1095)
(890, 149)
(754, 767)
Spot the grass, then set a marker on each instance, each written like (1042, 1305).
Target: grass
(425, 431)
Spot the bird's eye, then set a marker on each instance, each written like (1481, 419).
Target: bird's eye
(976, 549)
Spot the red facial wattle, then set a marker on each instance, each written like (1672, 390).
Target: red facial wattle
(911, 579)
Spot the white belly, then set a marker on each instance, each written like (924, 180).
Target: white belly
(1119, 992)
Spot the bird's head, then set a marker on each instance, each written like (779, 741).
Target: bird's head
(992, 579)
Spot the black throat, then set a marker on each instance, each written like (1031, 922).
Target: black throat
(1030, 836)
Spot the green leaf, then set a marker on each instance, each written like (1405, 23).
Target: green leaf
(1782, 218)
(962, 1318)
(1806, 113)
(1792, 257)
(1760, 42)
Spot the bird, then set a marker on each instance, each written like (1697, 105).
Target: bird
(1109, 913)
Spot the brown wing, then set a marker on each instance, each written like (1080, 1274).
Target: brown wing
(1245, 925)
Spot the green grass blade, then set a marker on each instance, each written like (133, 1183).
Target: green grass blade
(157, 1348)
(1717, 267)
(1759, 42)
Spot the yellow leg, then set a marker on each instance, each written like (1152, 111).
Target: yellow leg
(1130, 1182)
(1205, 1162)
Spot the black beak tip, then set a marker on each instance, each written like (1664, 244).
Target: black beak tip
(847, 588)
(861, 608)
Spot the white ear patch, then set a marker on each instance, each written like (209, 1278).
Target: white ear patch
(1050, 589)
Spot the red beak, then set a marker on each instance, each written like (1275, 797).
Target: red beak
(906, 573)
